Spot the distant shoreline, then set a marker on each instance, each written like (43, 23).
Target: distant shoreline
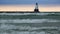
(25, 12)
(18, 12)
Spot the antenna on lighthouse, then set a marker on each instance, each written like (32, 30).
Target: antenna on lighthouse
(36, 7)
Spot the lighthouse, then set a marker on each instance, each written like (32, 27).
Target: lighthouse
(36, 8)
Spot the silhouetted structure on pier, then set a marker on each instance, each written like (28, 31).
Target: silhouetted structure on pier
(36, 8)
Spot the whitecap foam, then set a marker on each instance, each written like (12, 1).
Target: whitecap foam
(23, 21)
(27, 20)
(25, 13)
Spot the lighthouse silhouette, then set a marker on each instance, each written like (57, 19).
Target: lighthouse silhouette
(36, 8)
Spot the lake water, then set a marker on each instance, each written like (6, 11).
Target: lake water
(29, 23)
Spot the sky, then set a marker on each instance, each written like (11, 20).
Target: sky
(29, 5)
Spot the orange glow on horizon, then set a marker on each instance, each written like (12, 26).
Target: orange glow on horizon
(28, 8)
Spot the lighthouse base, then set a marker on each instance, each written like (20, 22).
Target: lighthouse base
(36, 10)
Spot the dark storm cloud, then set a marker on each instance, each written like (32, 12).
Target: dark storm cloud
(29, 1)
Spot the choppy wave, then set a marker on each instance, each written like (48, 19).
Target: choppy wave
(28, 13)
(13, 26)
(27, 20)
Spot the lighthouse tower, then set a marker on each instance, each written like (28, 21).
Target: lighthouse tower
(36, 8)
